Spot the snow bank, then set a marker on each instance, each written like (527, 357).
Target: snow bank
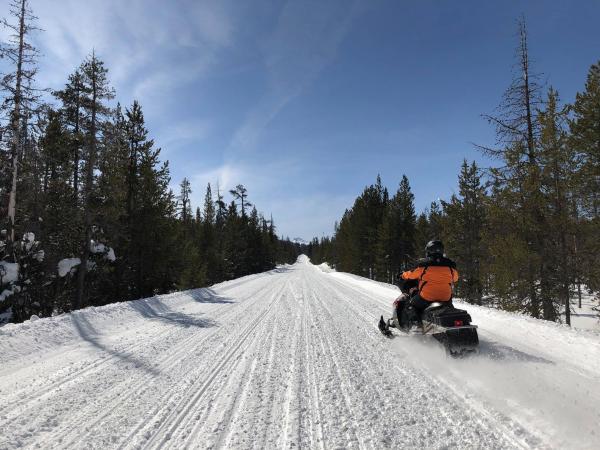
(9, 272)
(99, 247)
(28, 241)
(303, 259)
(46, 334)
(325, 268)
(554, 341)
(66, 266)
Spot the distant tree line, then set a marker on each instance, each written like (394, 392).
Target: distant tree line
(87, 214)
(525, 233)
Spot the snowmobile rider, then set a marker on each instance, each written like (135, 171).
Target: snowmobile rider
(431, 281)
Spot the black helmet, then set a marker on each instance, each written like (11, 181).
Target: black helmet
(434, 248)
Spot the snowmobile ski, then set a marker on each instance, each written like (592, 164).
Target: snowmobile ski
(384, 327)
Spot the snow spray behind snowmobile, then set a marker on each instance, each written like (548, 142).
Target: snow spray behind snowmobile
(449, 325)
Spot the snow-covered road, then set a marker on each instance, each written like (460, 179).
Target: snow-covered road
(290, 359)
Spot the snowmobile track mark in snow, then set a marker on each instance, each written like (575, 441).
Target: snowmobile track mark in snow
(162, 435)
(183, 350)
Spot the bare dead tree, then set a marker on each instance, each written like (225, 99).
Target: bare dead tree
(517, 138)
(20, 96)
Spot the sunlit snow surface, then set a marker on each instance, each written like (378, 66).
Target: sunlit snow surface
(291, 358)
(586, 317)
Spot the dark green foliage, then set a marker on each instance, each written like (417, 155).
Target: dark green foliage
(464, 227)
(376, 237)
(358, 231)
(95, 190)
(584, 140)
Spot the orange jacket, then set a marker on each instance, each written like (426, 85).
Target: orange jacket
(436, 279)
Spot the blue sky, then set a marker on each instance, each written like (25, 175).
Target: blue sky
(305, 102)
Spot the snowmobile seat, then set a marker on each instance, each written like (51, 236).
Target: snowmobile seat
(435, 305)
(446, 315)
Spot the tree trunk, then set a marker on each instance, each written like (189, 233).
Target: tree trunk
(16, 130)
(76, 154)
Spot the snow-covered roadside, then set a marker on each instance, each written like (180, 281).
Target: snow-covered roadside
(290, 358)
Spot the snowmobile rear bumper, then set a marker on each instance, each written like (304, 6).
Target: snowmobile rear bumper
(459, 341)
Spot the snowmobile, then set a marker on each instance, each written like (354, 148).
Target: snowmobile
(449, 325)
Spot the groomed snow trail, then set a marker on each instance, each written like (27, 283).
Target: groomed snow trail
(290, 358)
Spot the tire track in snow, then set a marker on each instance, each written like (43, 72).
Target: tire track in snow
(32, 401)
(93, 390)
(173, 421)
(195, 373)
(240, 377)
(290, 413)
(518, 436)
(326, 339)
(316, 437)
(183, 349)
(89, 368)
(75, 376)
(342, 293)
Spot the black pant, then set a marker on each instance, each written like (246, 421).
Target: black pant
(411, 310)
(419, 304)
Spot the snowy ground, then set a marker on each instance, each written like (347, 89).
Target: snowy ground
(290, 359)
(586, 317)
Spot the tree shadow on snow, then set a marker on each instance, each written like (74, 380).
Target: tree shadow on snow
(279, 269)
(497, 351)
(208, 295)
(154, 309)
(591, 316)
(89, 334)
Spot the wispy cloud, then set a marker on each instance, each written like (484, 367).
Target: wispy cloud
(262, 181)
(183, 133)
(304, 41)
(143, 41)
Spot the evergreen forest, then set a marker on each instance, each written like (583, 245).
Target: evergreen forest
(525, 231)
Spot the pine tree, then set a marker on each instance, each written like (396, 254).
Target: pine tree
(72, 98)
(404, 227)
(113, 187)
(184, 198)
(96, 86)
(383, 249)
(422, 233)
(240, 193)
(60, 227)
(585, 142)
(585, 139)
(464, 222)
(234, 247)
(517, 191)
(435, 220)
(559, 166)
(154, 246)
